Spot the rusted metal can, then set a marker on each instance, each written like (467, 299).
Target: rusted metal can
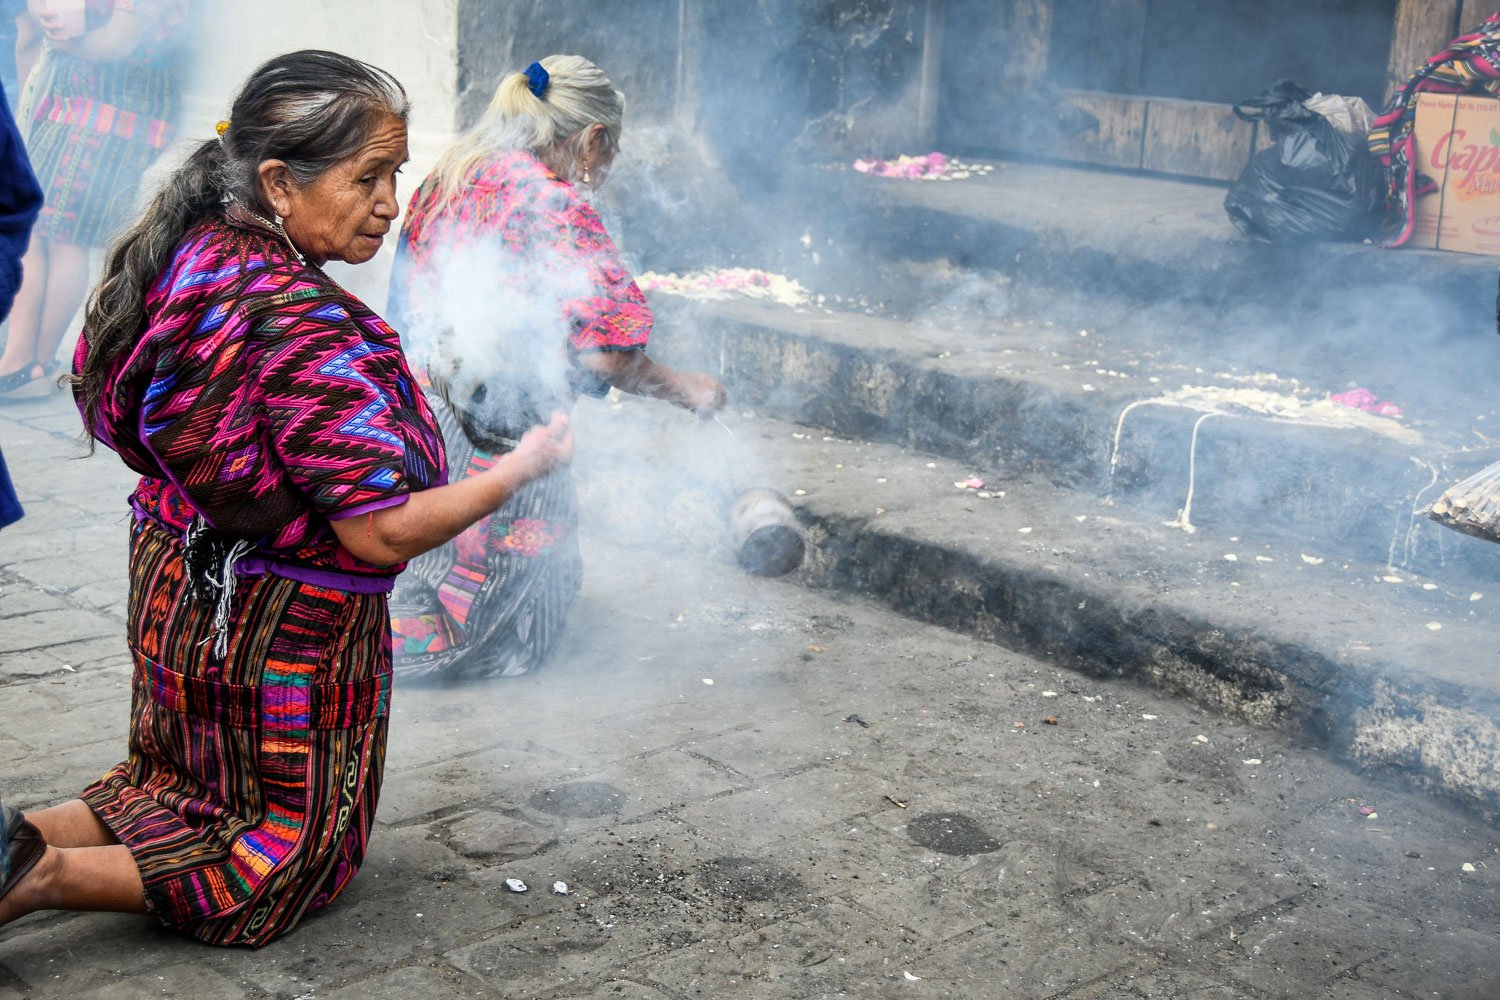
(765, 534)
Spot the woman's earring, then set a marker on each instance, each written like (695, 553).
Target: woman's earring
(585, 175)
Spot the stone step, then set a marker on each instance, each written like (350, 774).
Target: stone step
(1246, 453)
(1385, 670)
(1151, 260)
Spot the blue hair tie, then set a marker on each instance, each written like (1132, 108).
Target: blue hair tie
(539, 78)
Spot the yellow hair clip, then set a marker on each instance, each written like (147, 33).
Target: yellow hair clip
(221, 128)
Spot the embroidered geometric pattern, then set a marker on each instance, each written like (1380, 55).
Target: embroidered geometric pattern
(268, 399)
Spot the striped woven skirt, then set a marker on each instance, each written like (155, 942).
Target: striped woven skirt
(92, 129)
(250, 787)
(493, 601)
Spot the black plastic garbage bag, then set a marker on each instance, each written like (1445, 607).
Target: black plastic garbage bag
(1314, 183)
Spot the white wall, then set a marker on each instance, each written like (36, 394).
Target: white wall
(415, 40)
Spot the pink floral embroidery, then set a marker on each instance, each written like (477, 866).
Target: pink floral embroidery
(529, 537)
(470, 544)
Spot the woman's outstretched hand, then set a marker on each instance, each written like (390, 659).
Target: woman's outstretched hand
(701, 393)
(544, 448)
(431, 517)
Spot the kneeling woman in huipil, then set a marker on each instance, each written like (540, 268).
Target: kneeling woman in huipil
(515, 302)
(289, 466)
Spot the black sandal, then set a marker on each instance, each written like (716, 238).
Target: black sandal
(21, 384)
(23, 847)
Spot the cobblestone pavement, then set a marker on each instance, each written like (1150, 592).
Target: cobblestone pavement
(755, 790)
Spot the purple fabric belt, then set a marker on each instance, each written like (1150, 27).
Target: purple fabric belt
(254, 565)
(353, 583)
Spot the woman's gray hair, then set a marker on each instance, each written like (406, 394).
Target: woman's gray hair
(309, 109)
(553, 125)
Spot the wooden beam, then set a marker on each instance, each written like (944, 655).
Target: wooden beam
(930, 82)
(1422, 27)
(1473, 13)
(1117, 139)
(1195, 139)
(1030, 38)
(1117, 40)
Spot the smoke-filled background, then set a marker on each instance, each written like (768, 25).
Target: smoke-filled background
(1051, 276)
(743, 119)
(1056, 402)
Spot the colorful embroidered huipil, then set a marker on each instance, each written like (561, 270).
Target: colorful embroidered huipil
(499, 290)
(267, 400)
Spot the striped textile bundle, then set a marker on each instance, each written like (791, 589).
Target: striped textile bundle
(1470, 63)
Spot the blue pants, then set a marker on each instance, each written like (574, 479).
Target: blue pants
(10, 506)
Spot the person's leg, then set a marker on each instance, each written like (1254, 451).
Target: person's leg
(78, 878)
(71, 824)
(26, 313)
(67, 284)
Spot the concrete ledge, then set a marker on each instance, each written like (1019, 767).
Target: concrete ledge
(1037, 399)
(1152, 260)
(1385, 671)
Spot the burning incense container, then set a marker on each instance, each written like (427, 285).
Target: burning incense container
(765, 533)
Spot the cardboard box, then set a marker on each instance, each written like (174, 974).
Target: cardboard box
(1458, 146)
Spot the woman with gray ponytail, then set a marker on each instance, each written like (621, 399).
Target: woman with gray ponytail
(289, 465)
(514, 300)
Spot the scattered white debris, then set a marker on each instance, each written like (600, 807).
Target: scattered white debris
(1091, 698)
(1433, 626)
(1081, 518)
(515, 885)
(715, 283)
(1476, 596)
(932, 465)
(709, 681)
(70, 668)
(1049, 694)
(1312, 560)
(985, 495)
(1252, 761)
(1264, 559)
(913, 978)
(559, 888)
(880, 479)
(799, 493)
(1372, 815)
(1023, 531)
(1200, 738)
(1391, 579)
(1231, 557)
(1147, 717)
(1468, 867)
(1429, 586)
